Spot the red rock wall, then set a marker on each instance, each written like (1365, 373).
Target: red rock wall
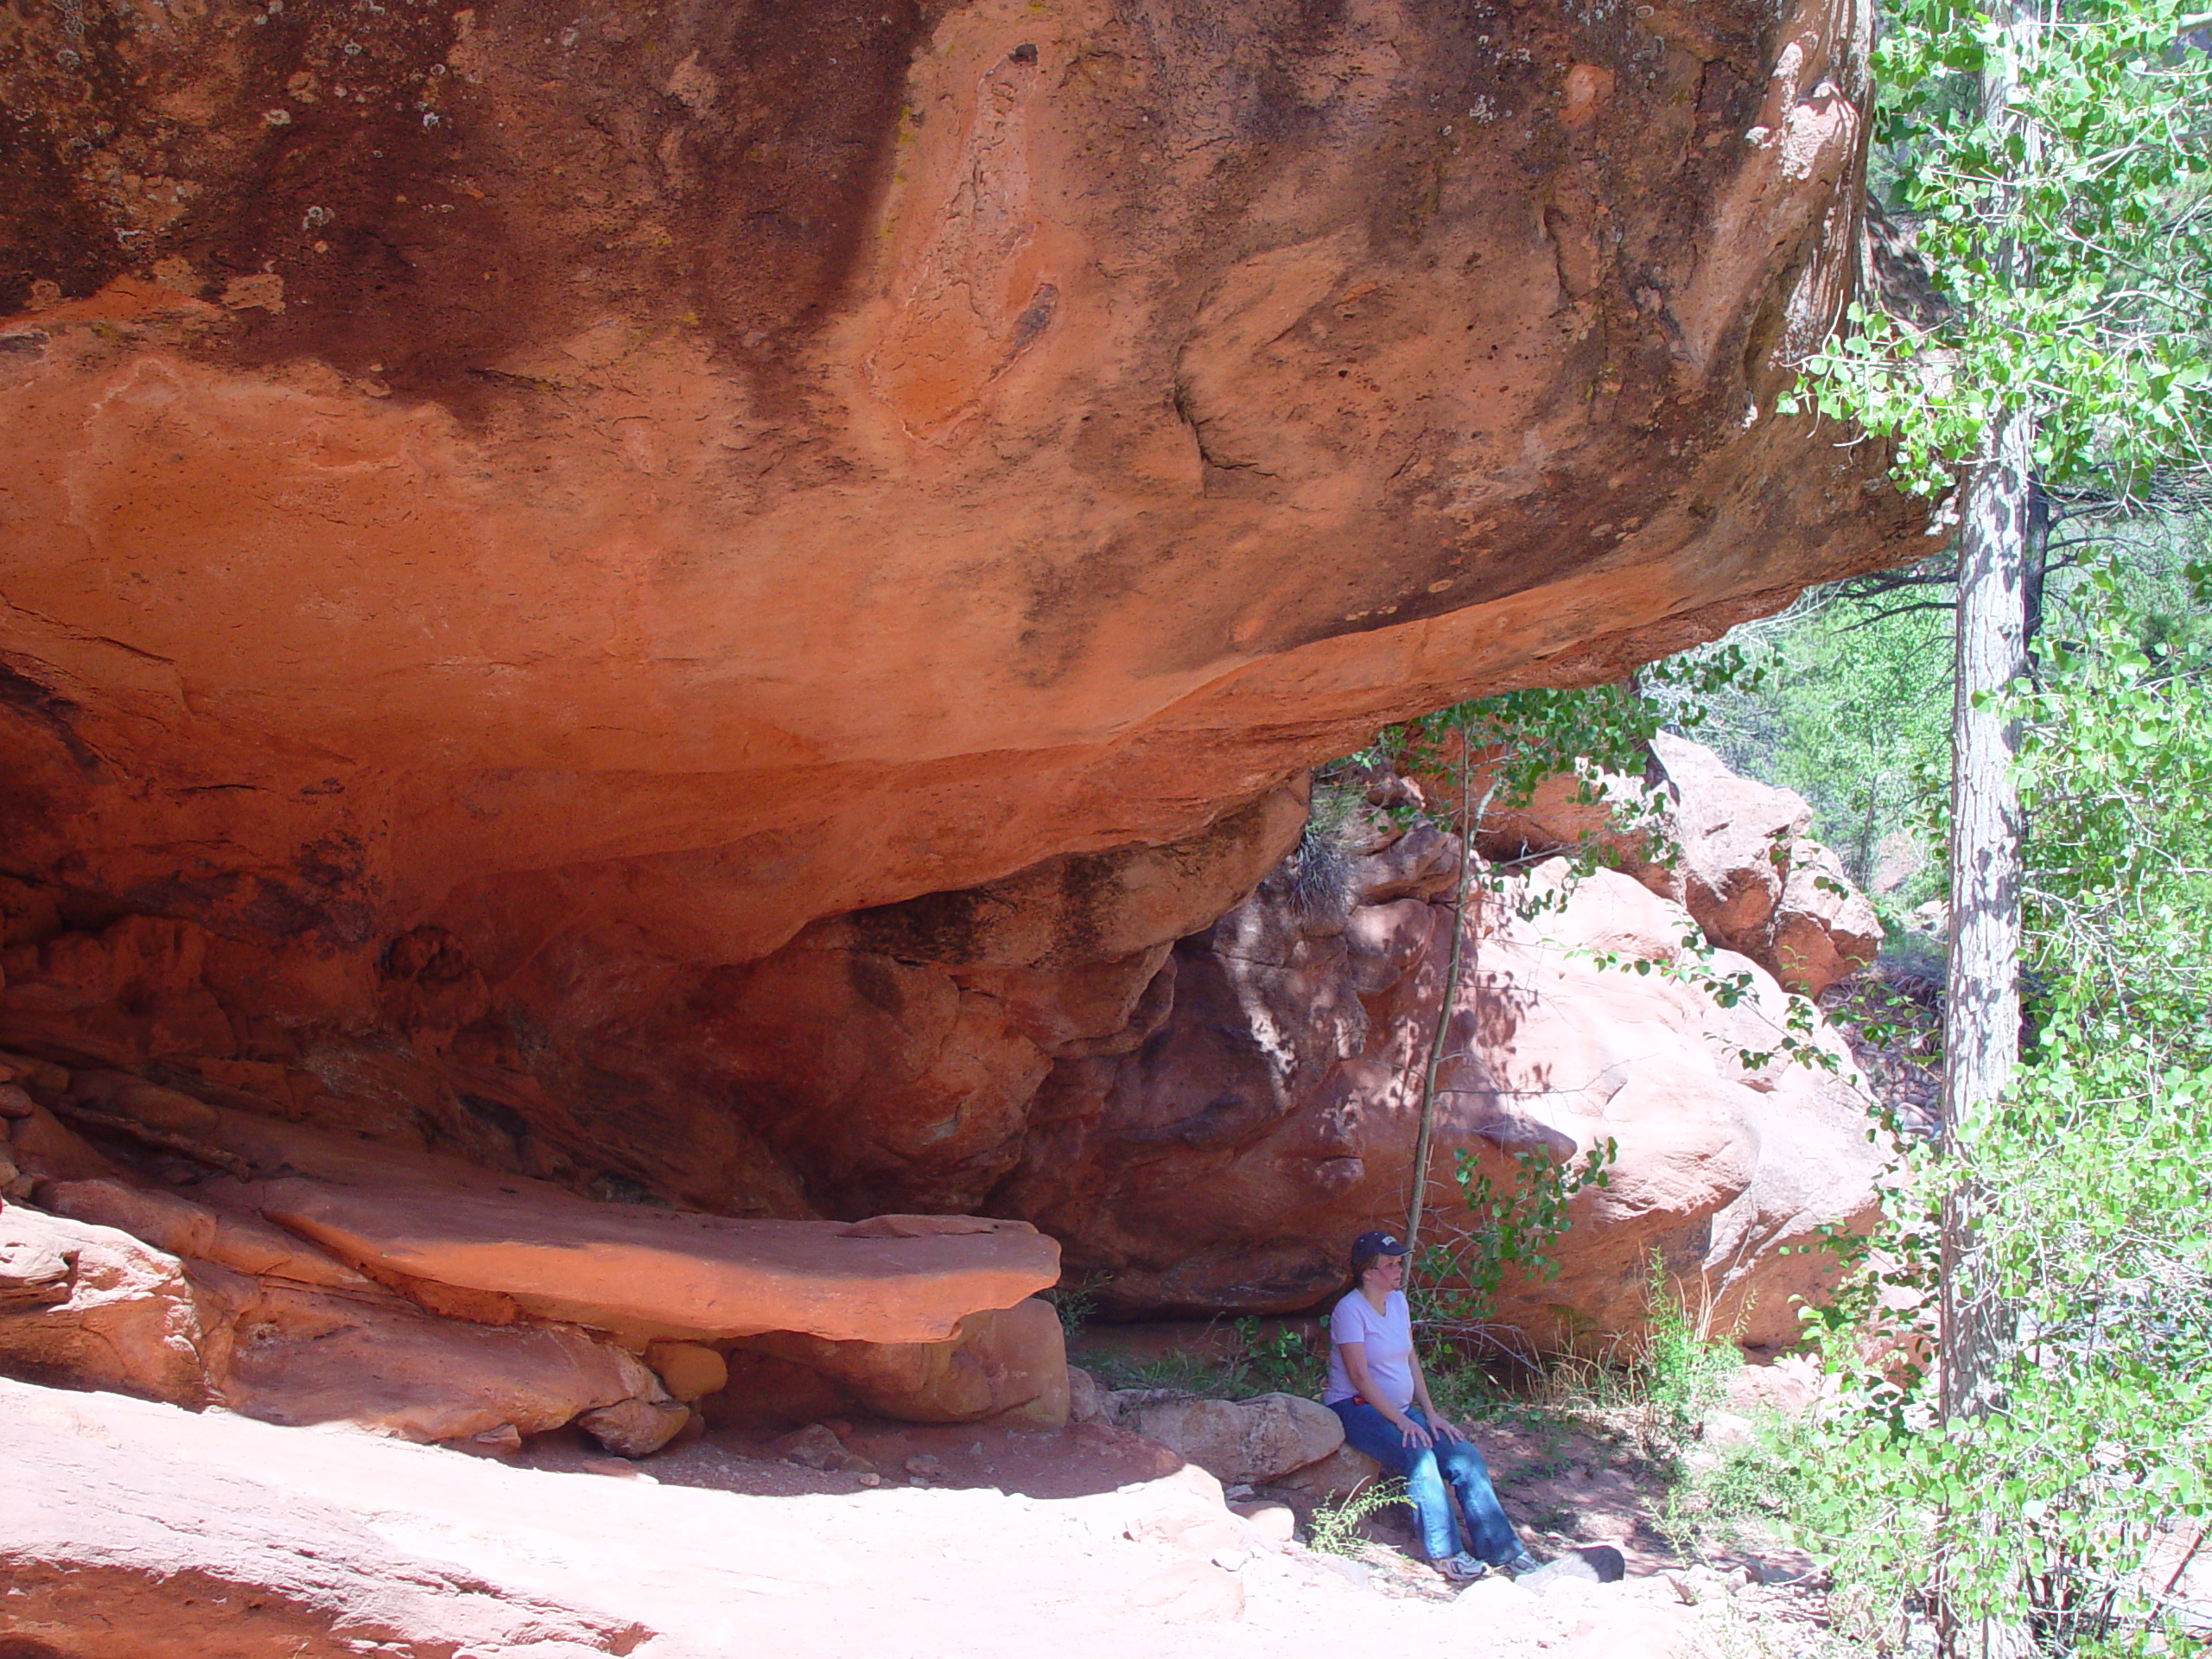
(517, 524)
(1224, 1158)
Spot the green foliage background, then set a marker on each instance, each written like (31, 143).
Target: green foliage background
(2053, 1508)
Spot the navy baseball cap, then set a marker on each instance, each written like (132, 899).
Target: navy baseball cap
(1378, 1244)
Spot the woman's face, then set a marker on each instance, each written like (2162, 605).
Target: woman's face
(1387, 1274)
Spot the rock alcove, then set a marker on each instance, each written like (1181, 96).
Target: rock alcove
(722, 612)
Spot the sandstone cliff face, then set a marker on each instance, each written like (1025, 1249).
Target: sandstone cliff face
(574, 587)
(1228, 1156)
(1734, 851)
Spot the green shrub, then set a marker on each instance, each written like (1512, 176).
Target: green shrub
(1334, 1528)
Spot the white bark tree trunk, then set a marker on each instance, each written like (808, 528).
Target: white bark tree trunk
(1981, 1011)
(1981, 1008)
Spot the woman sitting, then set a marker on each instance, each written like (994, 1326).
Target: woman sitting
(1376, 1387)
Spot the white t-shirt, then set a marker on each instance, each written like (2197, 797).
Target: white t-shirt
(1386, 1339)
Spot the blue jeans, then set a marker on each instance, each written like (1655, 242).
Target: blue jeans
(1426, 1470)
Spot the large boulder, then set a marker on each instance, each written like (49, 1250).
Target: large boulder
(94, 1307)
(1753, 877)
(1262, 1438)
(1823, 929)
(375, 1360)
(1010, 1363)
(689, 1371)
(637, 1426)
(1735, 836)
(512, 530)
(281, 1333)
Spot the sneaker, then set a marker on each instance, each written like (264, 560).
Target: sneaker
(1461, 1568)
(1521, 1566)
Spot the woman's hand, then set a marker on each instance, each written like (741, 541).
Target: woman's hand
(1412, 1435)
(1446, 1430)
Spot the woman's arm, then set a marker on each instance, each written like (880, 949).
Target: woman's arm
(1445, 1427)
(1355, 1358)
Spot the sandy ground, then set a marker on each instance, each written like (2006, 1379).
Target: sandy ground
(1072, 1543)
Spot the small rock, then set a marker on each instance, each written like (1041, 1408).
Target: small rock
(635, 1427)
(616, 1469)
(689, 1370)
(1277, 1522)
(1600, 1564)
(14, 1102)
(815, 1446)
(1086, 1400)
(504, 1441)
(818, 1447)
(923, 1466)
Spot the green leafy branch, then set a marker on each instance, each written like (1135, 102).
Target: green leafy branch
(1516, 1227)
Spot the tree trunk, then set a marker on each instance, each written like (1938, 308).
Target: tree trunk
(1998, 516)
(1982, 1004)
(1469, 816)
(1981, 1008)
(1443, 1016)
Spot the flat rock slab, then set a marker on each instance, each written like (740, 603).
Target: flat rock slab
(502, 1244)
(666, 1273)
(487, 1245)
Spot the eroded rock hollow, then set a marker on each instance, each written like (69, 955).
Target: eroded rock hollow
(689, 601)
(1263, 1107)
